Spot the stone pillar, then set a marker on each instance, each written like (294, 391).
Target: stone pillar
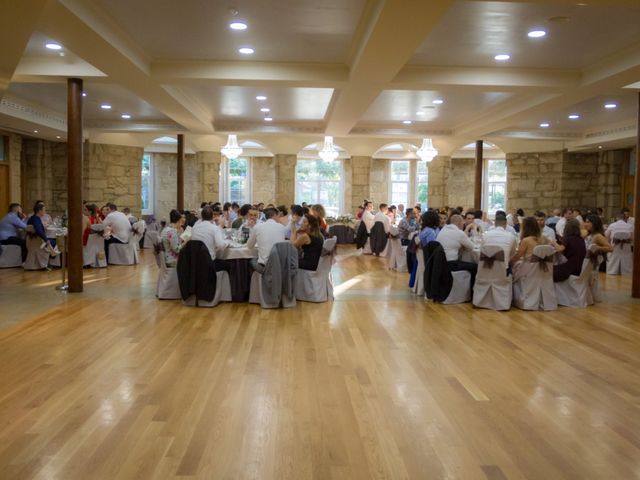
(209, 165)
(263, 180)
(438, 180)
(460, 183)
(379, 181)
(15, 167)
(360, 180)
(347, 190)
(285, 178)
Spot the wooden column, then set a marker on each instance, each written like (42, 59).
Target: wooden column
(74, 183)
(477, 187)
(635, 282)
(180, 200)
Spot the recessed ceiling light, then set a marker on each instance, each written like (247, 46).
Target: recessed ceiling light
(53, 46)
(268, 119)
(265, 109)
(58, 136)
(35, 131)
(84, 94)
(421, 114)
(238, 26)
(246, 50)
(536, 34)
(574, 116)
(261, 97)
(544, 125)
(126, 116)
(105, 106)
(502, 57)
(437, 101)
(599, 146)
(407, 122)
(610, 105)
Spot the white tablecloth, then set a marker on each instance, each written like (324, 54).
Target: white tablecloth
(236, 252)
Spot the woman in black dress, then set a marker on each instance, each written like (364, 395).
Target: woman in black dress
(574, 249)
(308, 240)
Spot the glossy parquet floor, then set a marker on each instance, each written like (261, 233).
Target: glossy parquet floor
(114, 384)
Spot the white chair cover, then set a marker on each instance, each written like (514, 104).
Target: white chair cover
(366, 250)
(168, 287)
(620, 261)
(317, 286)
(93, 252)
(150, 238)
(594, 282)
(11, 256)
(223, 291)
(461, 288)
(535, 290)
(127, 253)
(396, 253)
(418, 284)
(493, 288)
(575, 291)
(37, 258)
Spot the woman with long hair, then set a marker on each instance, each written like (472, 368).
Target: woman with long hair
(309, 241)
(573, 248)
(530, 238)
(595, 233)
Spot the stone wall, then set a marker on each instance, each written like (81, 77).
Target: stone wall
(534, 181)
(347, 191)
(46, 174)
(360, 168)
(460, 183)
(263, 180)
(209, 165)
(379, 181)
(285, 179)
(438, 182)
(15, 167)
(609, 181)
(165, 168)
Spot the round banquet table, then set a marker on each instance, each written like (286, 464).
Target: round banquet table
(240, 273)
(344, 233)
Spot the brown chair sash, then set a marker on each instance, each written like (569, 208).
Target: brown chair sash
(542, 261)
(135, 231)
(621, 241)
(488, 261)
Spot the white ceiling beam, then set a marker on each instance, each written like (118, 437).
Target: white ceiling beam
(495, 79)
(397, 28)
(289, 74)
(55, 66)
(17, 23)
(90, 34)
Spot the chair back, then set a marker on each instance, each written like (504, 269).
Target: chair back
(543, 255)
(492, 265)
(137, 231)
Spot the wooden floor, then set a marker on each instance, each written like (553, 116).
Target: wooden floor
(378, 384)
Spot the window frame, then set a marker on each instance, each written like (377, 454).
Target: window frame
(341, 196)
(408, 182)
(225, 180)
(486, 184)
(151, 182)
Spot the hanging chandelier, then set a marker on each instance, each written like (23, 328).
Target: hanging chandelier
(231, 150)
(426, 152)
(328, 152)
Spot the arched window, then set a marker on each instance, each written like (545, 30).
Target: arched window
(236, 178)
(407, 174)
(318, 181)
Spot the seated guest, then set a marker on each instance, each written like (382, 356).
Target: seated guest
(392, 214)
(573, 248)
(593, 225)
(453, 240)
(367, 216)
(283, 215)
(253, 218)
(10, 226)
(87, 220)
(381, 216)
(242, 216)
(500, 237)
(211, 235)
(470, 227)
(566, 215)
(401, 212)
(530, 237)
(627, 216)
(104, 211)
(46, 218)
(577, 214)
(117, 228)
(430, 223)
(127, 212)
(297, 215)
(218, 217)
(620, 225)
(443, 219)
(265, 235)
(321, 215)
(546, 231)
(309, 241)
(418, 209)
(552, 221)
(170, 237)
(235, 208)
(359, 212)
(407, 225)
(39, 211)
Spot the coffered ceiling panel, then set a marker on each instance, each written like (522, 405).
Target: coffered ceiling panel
(578, 34)
(393, 107)
(232, 103)
(279, 30)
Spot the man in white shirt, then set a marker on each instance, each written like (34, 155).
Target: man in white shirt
(546, 231)
(367, 216)
(553, 220)
(627, 216)
(566, 215)
(117, 228)
(499, 236)
(266, 235)
(453, 239)
(381, 216)
(211, 235)
(620, 225)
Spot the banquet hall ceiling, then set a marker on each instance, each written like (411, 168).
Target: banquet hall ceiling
(349, 68)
